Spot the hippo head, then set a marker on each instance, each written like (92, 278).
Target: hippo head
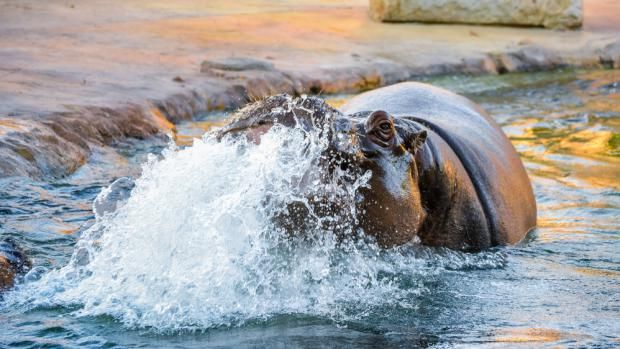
(389, 208)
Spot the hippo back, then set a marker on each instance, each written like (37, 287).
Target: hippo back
(489, 158)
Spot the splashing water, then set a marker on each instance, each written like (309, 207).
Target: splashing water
(196, 247)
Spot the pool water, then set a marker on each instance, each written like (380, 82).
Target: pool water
(184, 265)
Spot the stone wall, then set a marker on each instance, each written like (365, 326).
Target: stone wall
(547, 13)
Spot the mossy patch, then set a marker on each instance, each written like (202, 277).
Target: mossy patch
(25, 153)
(614, 144)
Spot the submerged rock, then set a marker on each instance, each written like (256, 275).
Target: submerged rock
(527, 59)
(13, 262)
(610, 55)
(546, 13)
(237, 64)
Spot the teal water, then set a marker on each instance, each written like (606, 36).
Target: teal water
(168, 285)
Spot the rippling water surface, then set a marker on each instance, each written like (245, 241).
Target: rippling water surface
(191, 260)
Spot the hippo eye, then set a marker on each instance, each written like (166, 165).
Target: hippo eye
(384, 130)
(380, 128)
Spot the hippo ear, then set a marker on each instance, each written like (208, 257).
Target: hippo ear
(415, 141)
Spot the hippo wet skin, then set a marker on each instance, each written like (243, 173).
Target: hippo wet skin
(442, 170)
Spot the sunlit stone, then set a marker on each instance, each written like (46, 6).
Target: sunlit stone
(546, 13)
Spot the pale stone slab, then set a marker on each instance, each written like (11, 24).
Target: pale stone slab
(546, 13)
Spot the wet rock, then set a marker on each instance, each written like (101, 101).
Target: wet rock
(13, 263)
(479, 65)
(350, 79)
(262, 84)
(56, 145)
(526, 59)
(547, 13)
(252, 85)
(179, 107)
(33, 149)
(610, 55)
(113, 197)
(236, 64)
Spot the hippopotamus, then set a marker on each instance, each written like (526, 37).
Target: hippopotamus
(443, 172)
(13, 263)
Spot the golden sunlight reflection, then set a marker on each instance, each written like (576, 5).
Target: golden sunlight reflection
(580, 148)
(188, 131)
(527, 335)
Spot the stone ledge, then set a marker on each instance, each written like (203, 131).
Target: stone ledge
(56, 145)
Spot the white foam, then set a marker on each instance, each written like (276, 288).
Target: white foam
(195, 246)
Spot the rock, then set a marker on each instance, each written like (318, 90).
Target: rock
(610, 55)
(546, 13)
(13, 262)
(237, 64)
(527, 59)
(478, 65)
(33, 149)
(54, 146)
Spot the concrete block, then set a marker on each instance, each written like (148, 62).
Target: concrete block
(546, 13)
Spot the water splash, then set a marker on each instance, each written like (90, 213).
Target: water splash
(195, 246)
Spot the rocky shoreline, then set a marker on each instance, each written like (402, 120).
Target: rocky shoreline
(55, 145)
(53, 139)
